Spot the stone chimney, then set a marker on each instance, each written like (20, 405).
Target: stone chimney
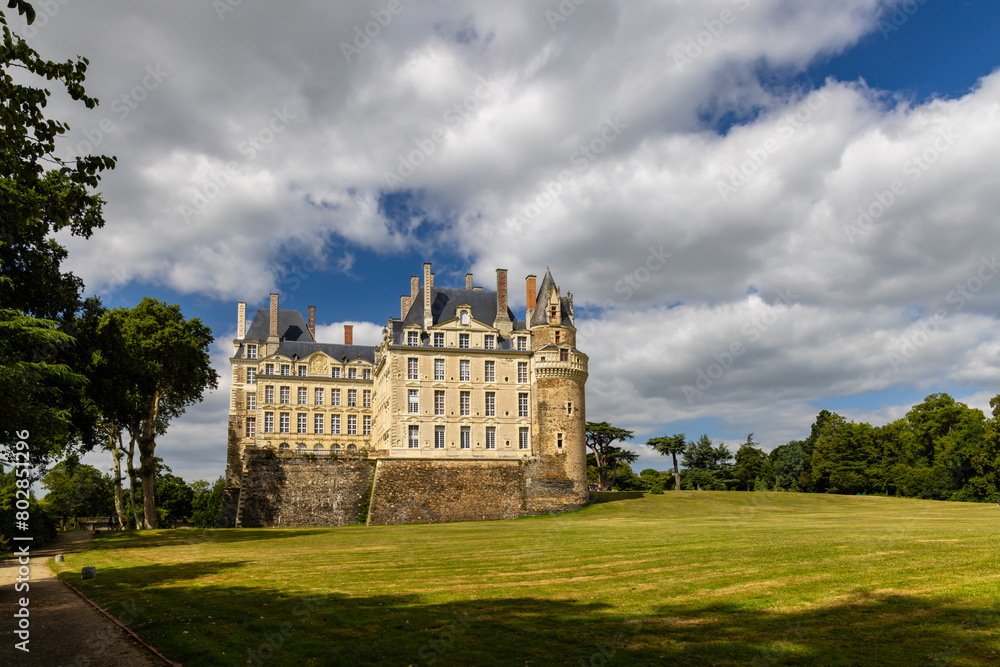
(468, 281)
(241, 319)
(272, 331)
(414, 287)
(348, 334)
(312, 322)
(404, 306)
(428, 285)
(502, 322)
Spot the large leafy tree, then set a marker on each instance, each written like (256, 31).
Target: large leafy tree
(163, 366)
(672, 445)
(608, 457)
(75, 489)
(707, 466)
(752, 465)
(40, 194)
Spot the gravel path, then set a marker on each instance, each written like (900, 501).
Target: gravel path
(65, 630)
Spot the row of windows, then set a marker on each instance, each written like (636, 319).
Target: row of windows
(489, 340)
(319, 394)
(465, 437)
(302, 422)
(301, 447)
(464, 403)
(352, 373)
(464, 370)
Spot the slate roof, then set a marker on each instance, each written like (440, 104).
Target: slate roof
(301, 349)
(445, 299)
(539, 318)
(291, 326)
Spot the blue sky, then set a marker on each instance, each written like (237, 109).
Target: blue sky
(312, 216)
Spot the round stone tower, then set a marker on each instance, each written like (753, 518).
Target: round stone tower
(557, 480)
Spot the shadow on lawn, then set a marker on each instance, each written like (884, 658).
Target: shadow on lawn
(195, 536)
(240, 624)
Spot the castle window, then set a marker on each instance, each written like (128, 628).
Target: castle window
(302, 371)
(555, 312)
(368, 374)
(412, 338)
(491, 437)
(463, 370)
(283, 447)
(463, 341)
(335, 373)
(335, 397)
(301, 447)
(286, 395)
(465, 442)
(268, 422)
(335, 448)
(352, 398)
(301, 420)
(463, 403)
(317, 448)
(491, 404)
(522, 404)
(489, 371)
(557, 337)
(251, 427)
(251, 376)
(318, 424)
(439, 369)
(284, 420)
(318, 396)
(413, 401)
(522, 343)
(286, 369)
(366, 422)
(563, 355)
(335, 424)
(366, 400)
(268, 369)
(268, 395)
(352, 373)
(414, 439)
(439, 437)
(439, 340)
(488, 342)
(352, 424)
(303, 395)
(463, 317)
(438, 401)
(412, 366)
(569, 408)
(251, 351)
(559, 440)
(522, 372)
(352, 448)
(251, 401)
(522, 437)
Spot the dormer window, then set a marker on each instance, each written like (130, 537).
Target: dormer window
(463, 317)
(251, 351)
(412, 338)
(488, 342)
(286, 369)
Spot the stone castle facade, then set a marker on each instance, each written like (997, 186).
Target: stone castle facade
(462, 412)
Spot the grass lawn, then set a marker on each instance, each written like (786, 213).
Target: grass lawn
(690, 578)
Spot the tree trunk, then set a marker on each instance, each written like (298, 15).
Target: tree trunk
(131, 479)
(116, 454)
(147, 469)
(677, 473)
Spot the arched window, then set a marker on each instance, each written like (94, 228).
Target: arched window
(283, 447)
(318, 448)
(301, 447)
(463, 317)
(336, 449)
(352, 448)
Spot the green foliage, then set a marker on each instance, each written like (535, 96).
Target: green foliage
(40, 525)
(752, 465)
(672, 445)
(75, 489)
(207, 502)
(656, 490)
(174, 499)
(608, 458)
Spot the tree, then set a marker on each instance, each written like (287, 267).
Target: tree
(751, 465)
(673, 445)
(790, 464)
(207, 502)
(607, 456)
(40, 195)
(174, 499)
(707, 466)
(165, 367)
(74, 490)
